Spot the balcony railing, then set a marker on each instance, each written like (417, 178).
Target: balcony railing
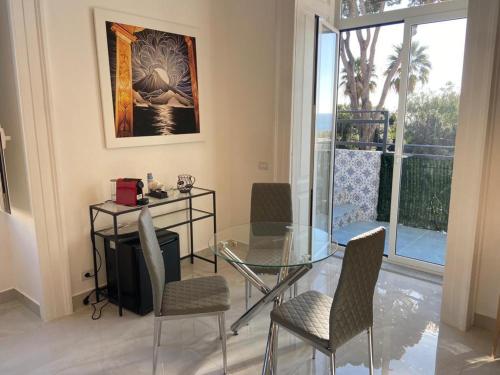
(347, 120)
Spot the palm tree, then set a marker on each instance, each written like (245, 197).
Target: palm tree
(358, 78)
(419, 67)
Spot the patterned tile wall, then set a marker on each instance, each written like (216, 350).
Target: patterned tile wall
(356, 183)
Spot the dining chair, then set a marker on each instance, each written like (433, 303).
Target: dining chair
(202, 296)
(328, 323)
(270, 203)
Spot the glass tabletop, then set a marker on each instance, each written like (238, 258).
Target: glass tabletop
(266, 245)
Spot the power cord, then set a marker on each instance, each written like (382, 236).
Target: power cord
(88, 275)
(97, 313)
(97, 310)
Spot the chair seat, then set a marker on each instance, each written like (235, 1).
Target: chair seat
(195, 296)
(308, 315)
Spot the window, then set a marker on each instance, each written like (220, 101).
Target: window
(357, 8)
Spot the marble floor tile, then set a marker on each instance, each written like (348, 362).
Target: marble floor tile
(409, 339)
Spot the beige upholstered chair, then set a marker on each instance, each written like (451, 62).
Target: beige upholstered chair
(270, 203)
(327, 323)
(178, 299)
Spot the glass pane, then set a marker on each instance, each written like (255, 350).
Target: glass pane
(264, 244)
(434, 80)
(323, 127)
(365, 131)
(357, 8)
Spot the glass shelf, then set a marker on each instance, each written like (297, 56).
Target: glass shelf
(163, 221)
(115, 209)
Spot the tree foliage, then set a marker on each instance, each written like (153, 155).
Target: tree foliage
(431, 119)
(358, 71)
(418, 69)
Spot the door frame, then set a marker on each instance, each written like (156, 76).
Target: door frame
(398, 152)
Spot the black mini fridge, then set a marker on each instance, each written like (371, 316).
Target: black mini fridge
(137, 295)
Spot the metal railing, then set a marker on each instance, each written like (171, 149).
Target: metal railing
(356, 120)
(359, 118)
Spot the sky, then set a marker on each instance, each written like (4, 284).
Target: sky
(445, 48)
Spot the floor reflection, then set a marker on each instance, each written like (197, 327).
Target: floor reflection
(409, 339)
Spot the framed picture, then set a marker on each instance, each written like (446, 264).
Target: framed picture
(149, 80)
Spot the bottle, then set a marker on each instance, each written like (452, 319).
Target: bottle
(150, 180)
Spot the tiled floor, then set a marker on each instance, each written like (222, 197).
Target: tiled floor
(416, 243)
(408, 337)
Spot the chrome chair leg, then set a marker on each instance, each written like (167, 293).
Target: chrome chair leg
(370, 348)
(222, 332)
(314, 353)
(156, 342)
(295, 289)
(159, 331)
(332, 363)
(246, 294)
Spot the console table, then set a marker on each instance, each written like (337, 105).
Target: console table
(120, 232)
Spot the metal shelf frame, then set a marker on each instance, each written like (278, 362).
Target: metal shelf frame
(116, 237)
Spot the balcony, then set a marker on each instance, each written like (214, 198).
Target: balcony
(363, 181)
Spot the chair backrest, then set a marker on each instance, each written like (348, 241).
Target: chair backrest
(271, 202)
(153, 257)
(352, 307)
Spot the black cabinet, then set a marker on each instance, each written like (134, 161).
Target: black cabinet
(137, 295)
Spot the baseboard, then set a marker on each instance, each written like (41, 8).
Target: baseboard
(78, 299)
(7, 295)
(485, 322)
(14, 294)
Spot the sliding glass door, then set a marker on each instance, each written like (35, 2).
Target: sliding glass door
(397, 116)
(425, 143)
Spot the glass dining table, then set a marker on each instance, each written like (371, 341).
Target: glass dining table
(286, 250)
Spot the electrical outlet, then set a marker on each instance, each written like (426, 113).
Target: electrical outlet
(89, 272)
(263, 165)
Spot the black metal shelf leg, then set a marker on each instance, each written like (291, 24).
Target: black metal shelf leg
(94, 250)
(117, 265)
(191, 240)
(214, 210)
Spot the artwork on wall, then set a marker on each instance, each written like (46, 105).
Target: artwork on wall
(149, 80)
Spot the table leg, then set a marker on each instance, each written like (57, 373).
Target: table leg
(279, 289)
(271, 355)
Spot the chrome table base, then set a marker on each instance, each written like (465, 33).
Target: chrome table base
(287, 277)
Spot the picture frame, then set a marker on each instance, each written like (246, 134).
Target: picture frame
(158, 95)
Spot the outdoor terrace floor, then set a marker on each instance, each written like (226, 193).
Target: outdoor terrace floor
(421, 244)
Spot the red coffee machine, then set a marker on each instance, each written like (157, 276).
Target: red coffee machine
(129, 192)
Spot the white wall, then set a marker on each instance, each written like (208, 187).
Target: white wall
(245, 53)
(488, 270)
(19, 263)
(236, 77)
(465, 202)
(24, 254)
(6, 276)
